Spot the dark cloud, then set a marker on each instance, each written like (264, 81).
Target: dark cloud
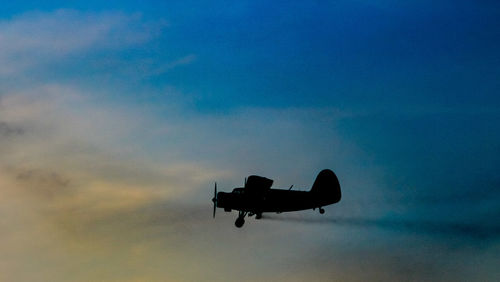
(45, 184)
(7, 130)
(50, 178)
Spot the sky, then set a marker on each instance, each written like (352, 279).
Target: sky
(117, 118)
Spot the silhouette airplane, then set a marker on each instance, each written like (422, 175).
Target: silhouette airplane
(257, 197)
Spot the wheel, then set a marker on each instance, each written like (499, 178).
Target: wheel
(321, 211)
(239, 222)
(258, 216)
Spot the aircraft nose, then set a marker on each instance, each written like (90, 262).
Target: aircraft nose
(219, 200)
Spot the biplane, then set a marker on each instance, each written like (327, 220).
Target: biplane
(257, 197)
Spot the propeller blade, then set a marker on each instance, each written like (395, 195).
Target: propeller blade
(214, 199)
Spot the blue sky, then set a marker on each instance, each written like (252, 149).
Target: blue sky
(296, 54)
(117, 117)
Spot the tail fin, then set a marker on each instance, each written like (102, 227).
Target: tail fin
(327, 186)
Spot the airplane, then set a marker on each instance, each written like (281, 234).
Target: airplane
(257, 197)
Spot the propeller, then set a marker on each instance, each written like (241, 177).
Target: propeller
(214, 199)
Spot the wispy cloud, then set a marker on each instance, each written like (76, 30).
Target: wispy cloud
(455, 230)
(38, 38)
(186, 60)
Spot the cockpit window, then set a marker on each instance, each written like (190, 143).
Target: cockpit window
(238, 191)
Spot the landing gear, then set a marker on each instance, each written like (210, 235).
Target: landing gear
(321, 211)
(241, 219)
(239, 222)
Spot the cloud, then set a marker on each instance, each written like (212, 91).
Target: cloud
(186, 60)
(106, 191)
(456, 230)
(75, 185)
(92, 183)
(117, 191)
(66, 134)
(36, 38)
(100, 191)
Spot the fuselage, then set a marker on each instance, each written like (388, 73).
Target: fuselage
(272, 200)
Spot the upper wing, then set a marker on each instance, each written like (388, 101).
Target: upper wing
(258, 183)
